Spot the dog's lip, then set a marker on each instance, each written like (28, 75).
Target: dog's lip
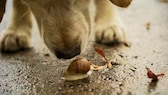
(69, 53)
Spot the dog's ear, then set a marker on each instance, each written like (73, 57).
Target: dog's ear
(2, 9)
(121, 3)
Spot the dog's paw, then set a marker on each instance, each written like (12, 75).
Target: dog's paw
(13, 40)
(114, 34)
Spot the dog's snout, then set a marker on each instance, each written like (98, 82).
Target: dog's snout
(69, 53)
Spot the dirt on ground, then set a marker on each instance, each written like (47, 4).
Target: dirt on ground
(38, 72)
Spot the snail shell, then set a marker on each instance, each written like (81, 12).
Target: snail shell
(80, 65)
(78, 69)
(121, 3)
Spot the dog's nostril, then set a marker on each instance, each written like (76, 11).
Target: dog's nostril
(67, 54)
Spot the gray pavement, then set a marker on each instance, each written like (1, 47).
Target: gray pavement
(38, 72)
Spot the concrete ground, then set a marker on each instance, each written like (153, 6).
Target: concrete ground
(38, 72)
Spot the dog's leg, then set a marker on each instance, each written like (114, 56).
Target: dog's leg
(17, 35)
(109, 28)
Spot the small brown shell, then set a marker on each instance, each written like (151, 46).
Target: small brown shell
(80, 65)
(121, 3)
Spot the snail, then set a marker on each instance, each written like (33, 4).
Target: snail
(81, 68)
(78, 69)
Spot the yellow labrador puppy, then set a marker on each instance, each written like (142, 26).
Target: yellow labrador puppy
(65, 25)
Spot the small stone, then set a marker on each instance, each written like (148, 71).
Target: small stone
(47, 55)
(59, 88)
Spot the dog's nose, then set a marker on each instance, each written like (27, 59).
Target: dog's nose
(67, 54)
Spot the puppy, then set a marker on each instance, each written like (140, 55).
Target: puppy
(65, 25)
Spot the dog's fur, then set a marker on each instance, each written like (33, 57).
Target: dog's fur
(65, 25)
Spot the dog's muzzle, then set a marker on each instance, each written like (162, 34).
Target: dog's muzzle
(69, 53)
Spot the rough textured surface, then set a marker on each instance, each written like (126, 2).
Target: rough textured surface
(38, 72)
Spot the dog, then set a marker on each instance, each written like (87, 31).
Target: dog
(65, 25)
